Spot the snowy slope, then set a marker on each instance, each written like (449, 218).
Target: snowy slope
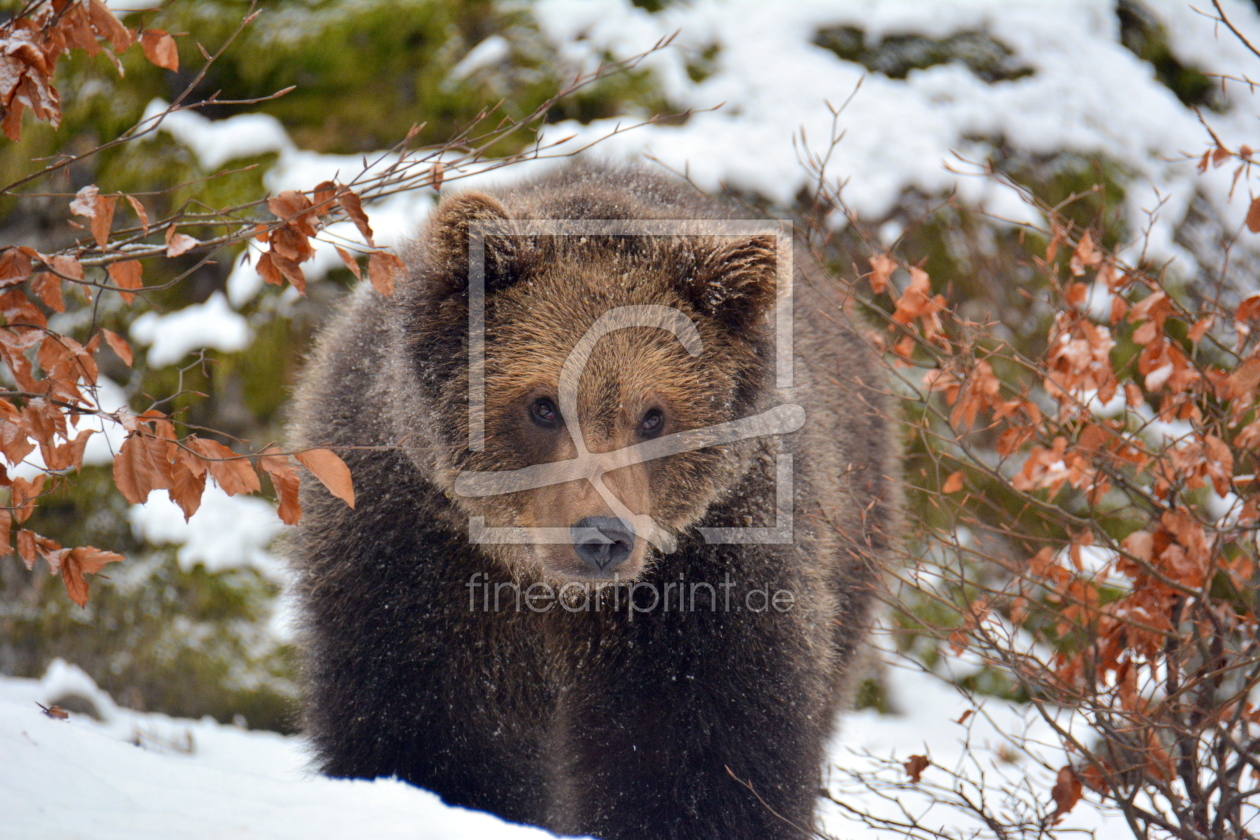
(135, 776)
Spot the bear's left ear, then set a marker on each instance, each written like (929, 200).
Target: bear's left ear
(734, 282)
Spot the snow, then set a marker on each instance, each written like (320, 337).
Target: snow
(489, 52)
(1087, 94)
(215, 142)
(135, 776)
(174, 335)
(226, 532)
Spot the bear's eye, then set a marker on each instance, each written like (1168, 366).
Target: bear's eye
(652, 423)
(543, 412)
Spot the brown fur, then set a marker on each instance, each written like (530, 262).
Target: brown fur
(611, 720)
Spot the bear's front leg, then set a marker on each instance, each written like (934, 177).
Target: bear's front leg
(705, 721)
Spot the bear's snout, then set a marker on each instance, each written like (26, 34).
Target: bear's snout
(602, 542)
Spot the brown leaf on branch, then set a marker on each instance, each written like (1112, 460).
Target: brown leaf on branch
(230, 471)
(47, 286)
(15, 266)
(74, 563)
(954, 483)
(159, 48)
(331, 471)
(882, 267)
(188, 483)
(384, 270)
(140, 467)
(126, 275)
(350, 262)
(1086, 255)
(24, 494)
(119, 345)
(67, 267)
(289, 269)
(103, 219)
(140, 212)
(1253, 215)
(178, 243)
(325, 192)
(354, 209)
(915, 767)
(1065, 793)
(109, 27)
(84, 202)
(266, 268)
(26, 548)
(285, 479)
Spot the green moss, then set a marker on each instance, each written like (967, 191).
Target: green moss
(704, 64)
(896, 55)
(1144, 36)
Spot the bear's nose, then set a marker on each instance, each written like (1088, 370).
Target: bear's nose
(602, 541)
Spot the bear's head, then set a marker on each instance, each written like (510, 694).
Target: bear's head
(561, 380)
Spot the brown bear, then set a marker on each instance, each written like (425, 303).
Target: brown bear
(625, 485)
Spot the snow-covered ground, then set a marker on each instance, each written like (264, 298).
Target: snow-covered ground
(135, 776)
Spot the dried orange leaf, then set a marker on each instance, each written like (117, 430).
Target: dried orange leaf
(141, 213)
(55, 712)
(915, 767)
(285, 479)
(354, 209)
(1253, 216)
(26, 548)
(138, 468)
(351, 262)
(48, 286)
(289, 269)
(1085, 256)
(187, 485)
(1066, 793)
(331, 471)
(954, 483)
(103, 219)
(266, 268)
(882, 267)
(179, 243)
(159, 48)
(15, 266)
(325, 192)
(67, 267)
(1249, 308)
(77, 562)
(232, 472)
(126, 275)
(119, 345)
(384, 269)
(84, 203)
(109, 27)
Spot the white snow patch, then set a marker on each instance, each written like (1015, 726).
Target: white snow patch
(172, 336)
(226, 532)
(142, 776)
(215, 142)
(488, 53)
(201, 779)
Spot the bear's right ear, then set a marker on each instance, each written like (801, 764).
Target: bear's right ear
(468, 233)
